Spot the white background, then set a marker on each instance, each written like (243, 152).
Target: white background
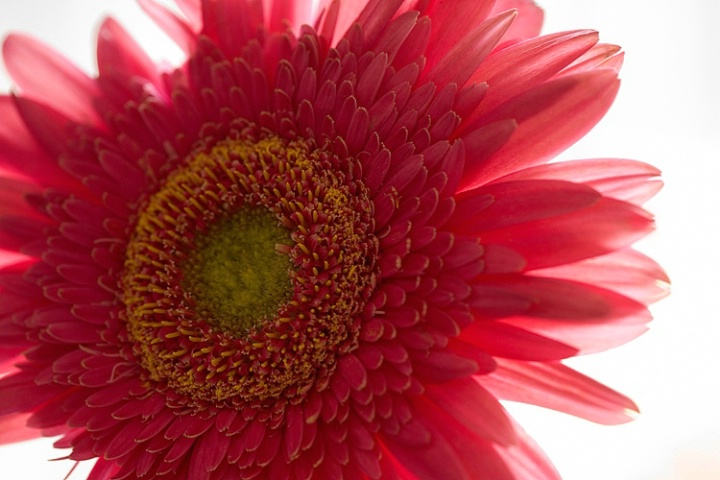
(668, 114)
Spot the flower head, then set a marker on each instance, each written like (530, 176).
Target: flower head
(322, 247)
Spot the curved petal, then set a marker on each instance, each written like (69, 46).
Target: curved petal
(558, 387)
(602, 55)
(550, 118)
(525, 65)
(603, 227)
(118, 54)
(526, 459)
(470, 405)
(585, 317)
(528, 22)
(627, 180)
(17, 145)
(13, 428)
(192, 10)
(46, 76)
(337, 16)
(627, 272)
(507, 341)
(444, 14)
(505, 204)
(178, 31)
(456, 66)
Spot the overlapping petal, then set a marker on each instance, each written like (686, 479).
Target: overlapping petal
(486, 265)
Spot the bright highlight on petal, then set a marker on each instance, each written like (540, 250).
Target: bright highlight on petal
(323, 247)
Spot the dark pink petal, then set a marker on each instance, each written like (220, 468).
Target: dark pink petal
(550, 118)
(607, 226)
(48, 77)
(553, 385)
(208, 453)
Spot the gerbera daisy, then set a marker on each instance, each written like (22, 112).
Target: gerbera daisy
(322, 247)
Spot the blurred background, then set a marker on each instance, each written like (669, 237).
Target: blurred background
(667, 114)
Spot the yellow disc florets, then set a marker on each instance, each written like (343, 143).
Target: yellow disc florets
(248, 269)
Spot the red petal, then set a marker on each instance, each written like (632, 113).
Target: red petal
(553, 385)
(208, 453)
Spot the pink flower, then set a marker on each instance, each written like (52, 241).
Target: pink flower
(323, 247)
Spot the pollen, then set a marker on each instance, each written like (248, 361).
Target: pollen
(248, 269)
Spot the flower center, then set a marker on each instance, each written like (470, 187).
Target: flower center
(247, 272)
(235, 274)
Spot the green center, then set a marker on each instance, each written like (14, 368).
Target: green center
(237, 274)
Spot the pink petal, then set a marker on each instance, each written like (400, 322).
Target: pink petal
(294, 12)
(375, 17)
(627, 272)
(526, 460)
(606, 226)
(449, 27)
(13, 429)
(528, 22)
(192, 10)
(507, 341)
(523, 66)
(473, 407)
(457, 66)
(574, 303)
(178, 31)
(48, 77)
(550, 118)
(118, 54)
(505, 204)
(627, 180)
(602, 55)
(553, 385)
